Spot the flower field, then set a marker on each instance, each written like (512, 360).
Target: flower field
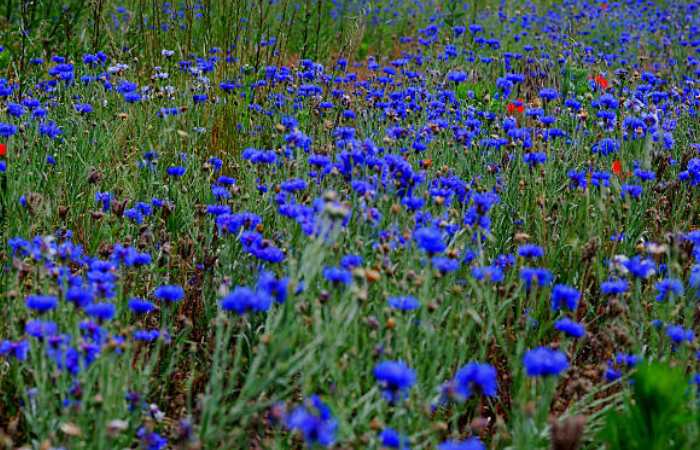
(349, 224)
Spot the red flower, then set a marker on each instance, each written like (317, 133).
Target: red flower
(601, 82)
(516, 106)
(3, 150)
(604, 6)
(617, 167)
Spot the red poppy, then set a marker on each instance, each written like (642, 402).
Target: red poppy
(516, 106)
(601, 82)
(617, 167)
(3, 150)
(604, 6)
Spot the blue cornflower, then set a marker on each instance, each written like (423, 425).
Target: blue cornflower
(470, 444)
(631, 190)
(694, 279)
(176, 171)
(392, 439)
(273, 287)
(83, 108)
(639, 267)
(150, 440)
(404, 303)
(535, 158)
(445, 265)
(19, 350)
(477, 377)
(396, 378)
(351, 261)
(568, 326)
(606, 147)
(492, 274)
(41, 329)
(41, 303)
(544, 361)
(80, 296)
(614, 287)
(548, 94)
(577, 179)
(564, 295)
(243, 300)
(337, 275)
(141, 306)
(541, 276)
(430, 240)
(530, 251)
(146, 335)
(315, 422)
(678, 334)
(170, 293)
(668, 287)
(101, 311)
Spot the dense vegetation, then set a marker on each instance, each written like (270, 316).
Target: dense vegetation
(349, 224)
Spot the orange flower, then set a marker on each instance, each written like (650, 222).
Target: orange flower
(604, 6)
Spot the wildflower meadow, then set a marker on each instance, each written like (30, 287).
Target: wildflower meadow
(350, 224)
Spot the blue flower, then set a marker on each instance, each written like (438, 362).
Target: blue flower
(243, 300)
(535, 158)
(544, 361)
(396, 379)
(568, 326)
(41, 329)
(41, 303)
(271, 286)
(176, 171)
(476, 377)
(668, 287)
(351, 261)
(614, 287)
(492, 274)
(530, 251)
(445, 265)
(19, 350)
(470, 444)
(606, 147)
(678, 334)
(639, 267)
(315, 422)
(150, 440)
(542, 277)
(80, 296)
(170, 293)
(405, 303)
(101, 311)
(430, 240)
(564, 295)
(548, 94)
(392, 439)
(337, 275)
